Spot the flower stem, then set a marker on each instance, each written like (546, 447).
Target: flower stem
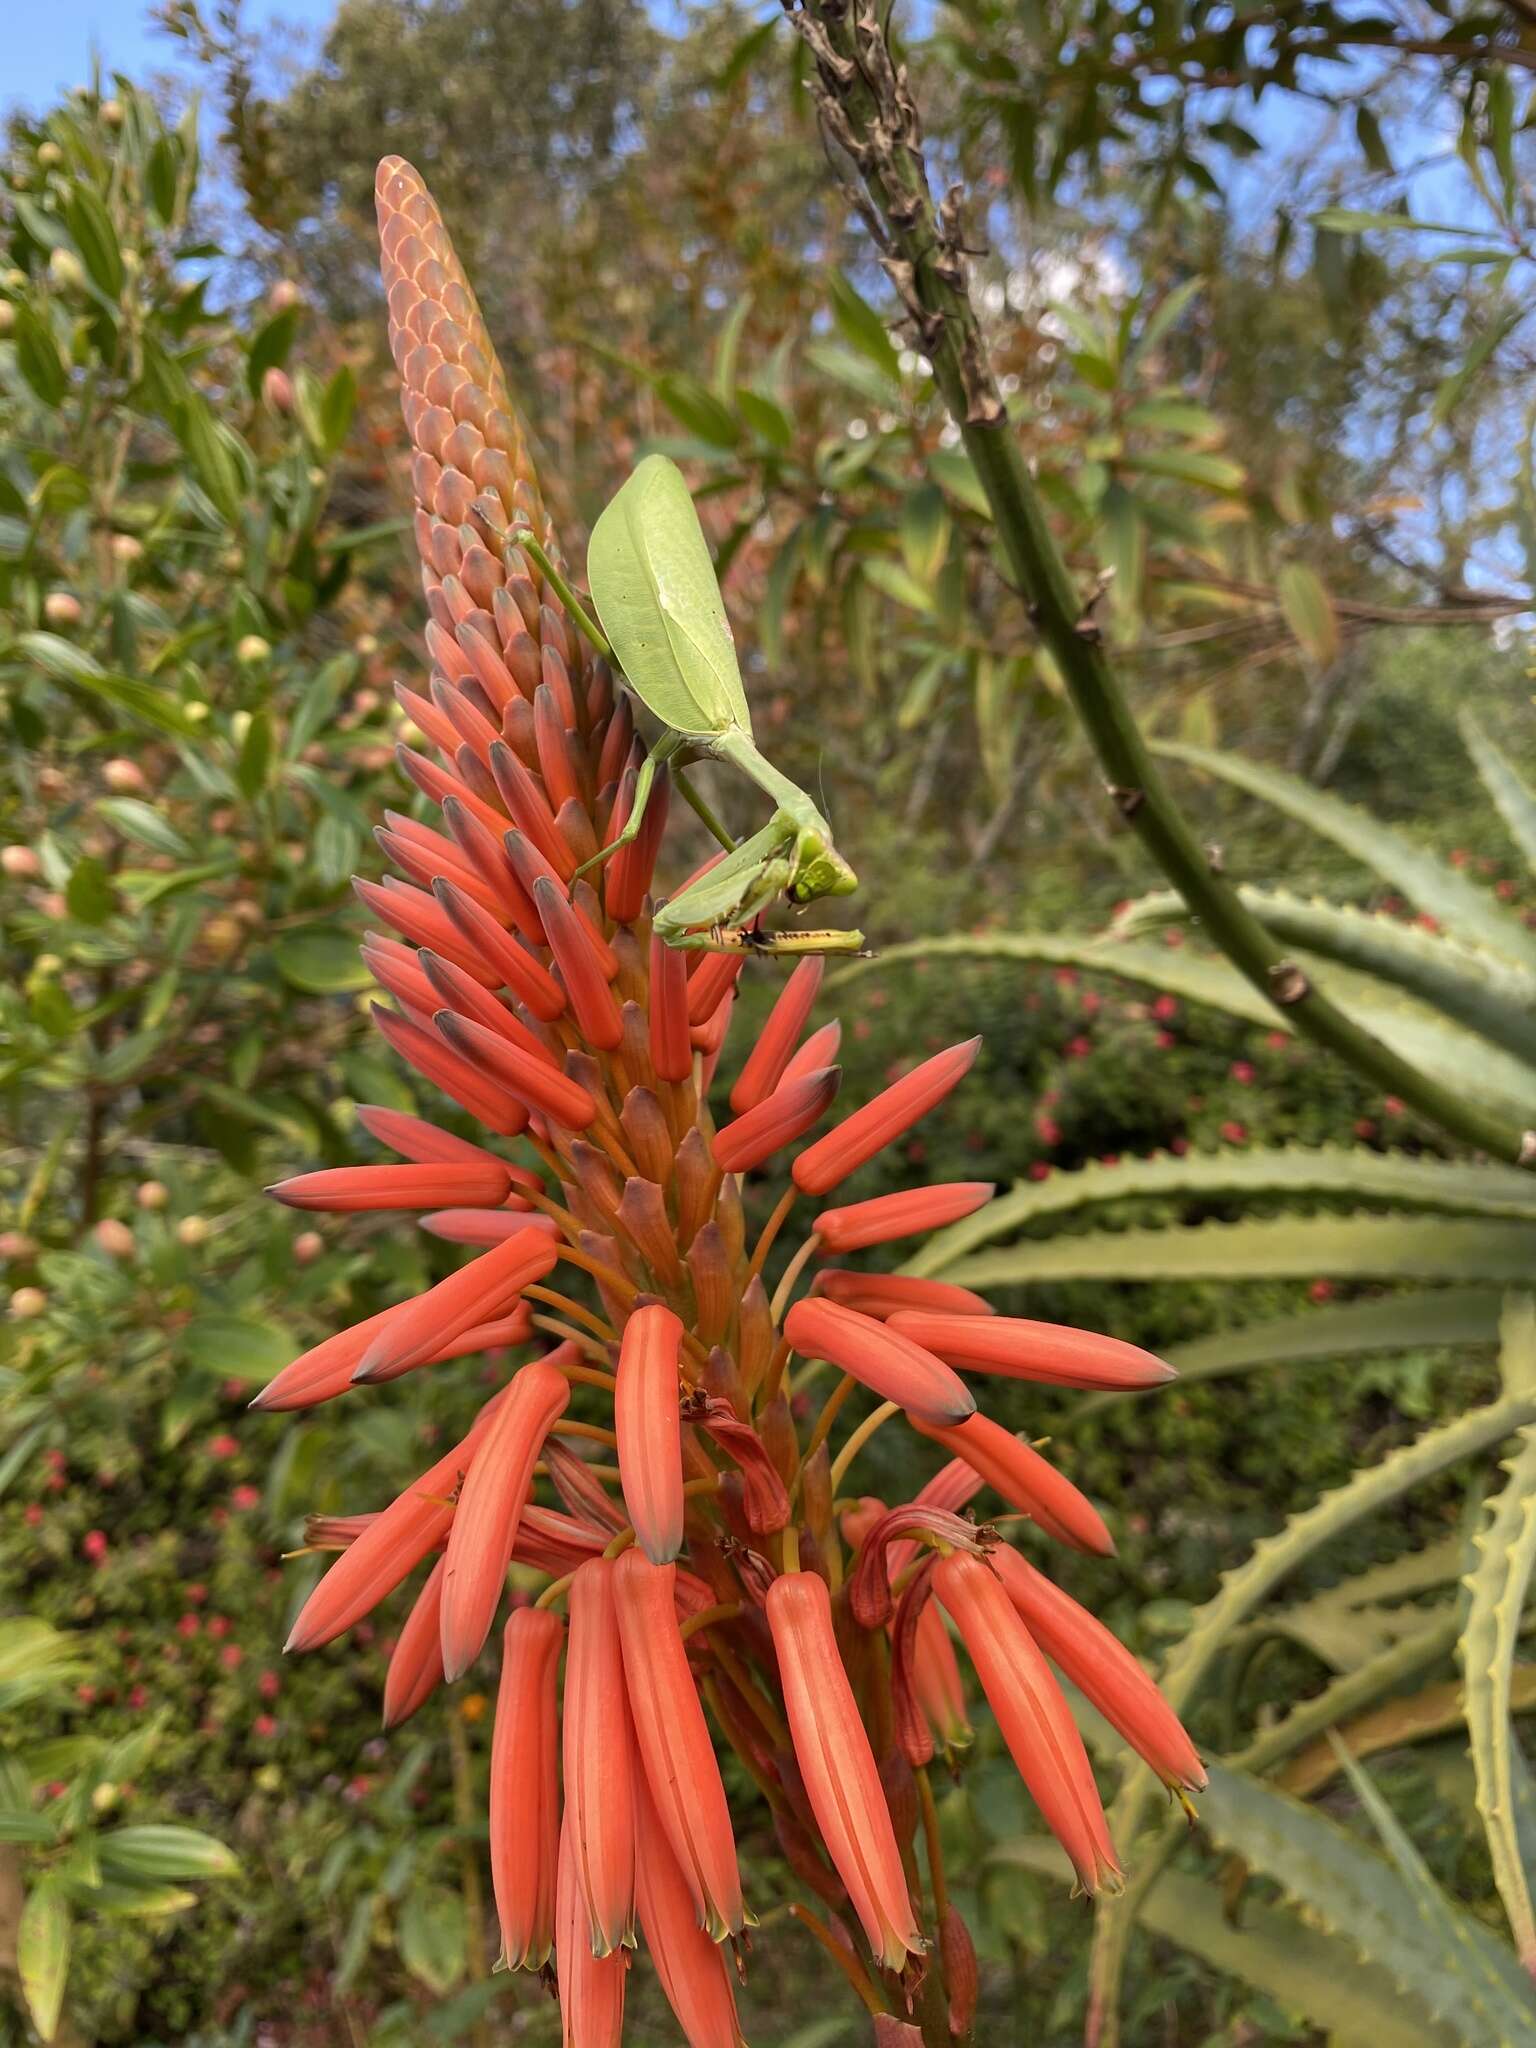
(791, 1274)
(876, 1419)
(770, 1231)
(848, 1963)
(866, 111)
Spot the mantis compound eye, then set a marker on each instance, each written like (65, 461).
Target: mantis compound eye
(821, 871)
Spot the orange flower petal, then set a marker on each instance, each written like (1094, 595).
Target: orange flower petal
(495, 1490)
(787, 1114)
(525, 1788)
(887, 1294)
(1025, 1480)
(906, 1214)
(600, 1760)
(859, 1137)
(1032, 1716)
(416, 1665)
(540, 1086)
(692, 1969)
(1018, 1349)
(645, 1416)
(674, 1745)
(671, 1051)
(591, 1987)
(353, 1188)
(892, 1366)
(842, 1780)
(484, 1289)
(764, 1065)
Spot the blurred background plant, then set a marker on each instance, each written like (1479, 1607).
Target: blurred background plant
(1261, 385)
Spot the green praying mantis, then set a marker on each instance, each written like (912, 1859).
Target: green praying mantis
(660, 617)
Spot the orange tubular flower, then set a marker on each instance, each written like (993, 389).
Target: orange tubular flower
(831, 1159)
(525, 1789)
(691, 1967)
(777, 1121)
(645, 1415)
(888, 1294)
(893, 1367)
(1103, 1670)
(842, 1779)
(353, 1188)
(591, 1987)
(556, 1030)
(600, 1761)
(478, 1292)
(764, 1066)
(1020, 1350)
(673, 1740)
(906, 1214)
(416, 1668)
(1034, 1720)
(1025, 1480)
(484, 1531)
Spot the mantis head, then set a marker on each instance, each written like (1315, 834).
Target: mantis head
(819, 870)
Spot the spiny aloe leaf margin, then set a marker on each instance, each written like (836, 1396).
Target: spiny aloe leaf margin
(1349, 1170)
(1497, 1585)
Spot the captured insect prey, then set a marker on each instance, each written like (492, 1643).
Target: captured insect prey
(660, 616)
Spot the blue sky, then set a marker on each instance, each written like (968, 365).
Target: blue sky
(49, 43)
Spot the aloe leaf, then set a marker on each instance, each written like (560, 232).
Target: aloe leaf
(1349, 1890)
(1512, 796)
(1483, 1072)
(1273, 1248)
(1497, 1585)
(1483, 990)
(1486, 1983)
(1395, 1177)
(1433, 884)
(1304, 1970)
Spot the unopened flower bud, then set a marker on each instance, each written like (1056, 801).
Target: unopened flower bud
(27, 1302)
(284, 293)
(365, 644)
(62, 608)
(111, 112)
(151, 1194)
(103, 1798)
(194, 1230)
(7, 316)
(126, 548)
(307, 1247)
(115, 1238)
(66, 270)
(49, 155)
(277, 389)
(15, 1244)
(251, 648)
(122, 775)
(20, 863)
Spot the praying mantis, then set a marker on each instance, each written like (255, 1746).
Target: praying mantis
(660, 617)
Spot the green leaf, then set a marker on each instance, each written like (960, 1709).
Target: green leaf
(271, 346)
(1189, 466)
(896, 583)
(88, 893)
(1372, 143)
(38, 357)
(321, 959)
(60, 658)
(728, 349)
(1511, 795)
(1275, 1248)
(1350, 220)
(852, 369)
(1351, 1891)
(1471, 912)
(1485, 991)
(254, 765)
(862, 328)
(1354, 1172)
(319, 701)
(770, 422)
(208, 443)
(925, 530)
(337, 406)
(1176, 416)
(1453, 389)
(90, 225)
(1301, 1968)
(1400, 1322)
(1167, 314)
(697, 408)
(141, 822)
(1497, 1587)
(1309, 612)
(162, 172)
(1496, 1992)
(237, 1347)
(164, 1850)
(432, 1937)
(42, 1953)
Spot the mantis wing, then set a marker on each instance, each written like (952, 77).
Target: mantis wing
(655, 592)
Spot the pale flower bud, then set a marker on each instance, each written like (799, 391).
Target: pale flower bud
(27, 1302)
